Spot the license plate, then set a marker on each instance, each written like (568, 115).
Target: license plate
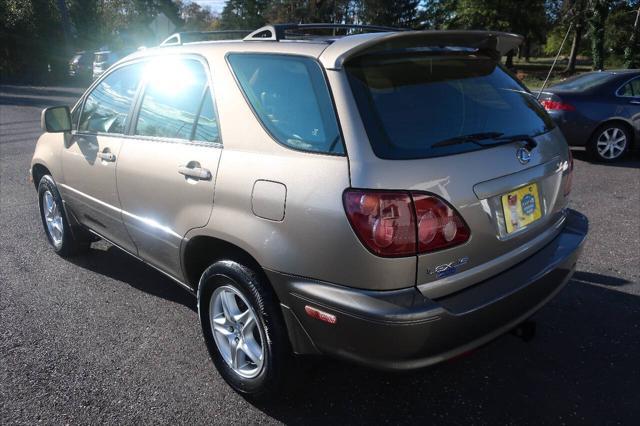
(521, 207)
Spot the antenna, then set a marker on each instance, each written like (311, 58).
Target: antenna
(554, 61)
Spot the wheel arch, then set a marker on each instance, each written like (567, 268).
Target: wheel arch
(200, 251)
(38, 170)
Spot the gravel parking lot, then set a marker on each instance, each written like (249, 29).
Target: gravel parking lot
(103, 338)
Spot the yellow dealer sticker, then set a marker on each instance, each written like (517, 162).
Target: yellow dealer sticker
(521, 207)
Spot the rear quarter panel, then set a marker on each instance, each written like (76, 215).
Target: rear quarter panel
(314, 239)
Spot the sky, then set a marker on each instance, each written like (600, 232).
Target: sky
(215, 5)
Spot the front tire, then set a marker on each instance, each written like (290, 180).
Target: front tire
(244, 330)
(54, 220)
(609, 143)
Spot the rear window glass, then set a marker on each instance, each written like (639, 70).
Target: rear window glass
(291, 98)
(410, 103)
(583, 82)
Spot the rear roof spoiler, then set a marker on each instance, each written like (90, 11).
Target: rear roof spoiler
(494, 43)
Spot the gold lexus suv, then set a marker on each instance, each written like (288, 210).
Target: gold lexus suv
(394, 198)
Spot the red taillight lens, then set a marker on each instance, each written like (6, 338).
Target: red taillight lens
(557, 106)
(383, 220)
(439, 226)
(569, 178)
(402, 223)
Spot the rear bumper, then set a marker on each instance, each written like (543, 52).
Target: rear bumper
(401, 329)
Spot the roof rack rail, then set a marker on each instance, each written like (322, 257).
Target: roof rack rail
(180, 38)
(278, 32)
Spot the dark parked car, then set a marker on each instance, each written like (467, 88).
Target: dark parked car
(81, 66)
(599, 110)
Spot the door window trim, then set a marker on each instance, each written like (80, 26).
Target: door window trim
(617, 92)
(134, 114)
(83, 100)
(259, 120)
(134, 110)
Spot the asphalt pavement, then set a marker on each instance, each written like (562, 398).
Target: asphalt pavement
(105, 339)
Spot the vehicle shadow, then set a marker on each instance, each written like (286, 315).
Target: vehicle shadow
(630, 160)
(112, 262)
(582, 365)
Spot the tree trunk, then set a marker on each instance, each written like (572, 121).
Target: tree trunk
(575, 47)
(630, 51)
(527, 49)
(597, 22)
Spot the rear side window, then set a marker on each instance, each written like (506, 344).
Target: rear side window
(424, 105)
(290, 97)
(631, 89)
(175, 94)
(107, 106)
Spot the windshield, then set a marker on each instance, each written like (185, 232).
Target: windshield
(583, 82)
(421, 105)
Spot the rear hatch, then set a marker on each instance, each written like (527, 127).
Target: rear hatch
(452, 122)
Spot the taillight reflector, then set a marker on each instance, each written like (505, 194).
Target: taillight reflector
(399, 223)
(320, 315)
(557, 106)
(439, 226)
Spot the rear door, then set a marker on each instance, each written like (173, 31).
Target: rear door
(167, 171)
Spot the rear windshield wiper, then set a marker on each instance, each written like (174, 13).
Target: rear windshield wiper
(471, 138)
(497, 138)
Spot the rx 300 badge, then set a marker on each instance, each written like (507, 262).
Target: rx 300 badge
(447, 269)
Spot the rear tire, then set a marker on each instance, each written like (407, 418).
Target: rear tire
(65, 241)
(262, 364)
(609, 143)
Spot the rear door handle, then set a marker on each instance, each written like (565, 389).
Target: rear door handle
(197, 173)
(107, 155)
(635, 102)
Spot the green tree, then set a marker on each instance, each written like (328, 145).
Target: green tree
(403, 13)
(243, 14)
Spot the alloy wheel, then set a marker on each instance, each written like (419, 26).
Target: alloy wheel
(53, 218)
(237, 331)
(611, 143)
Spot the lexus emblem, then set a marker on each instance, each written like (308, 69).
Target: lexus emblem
(523, 155)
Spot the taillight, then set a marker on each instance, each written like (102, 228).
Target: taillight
(557, 106)
(439, 226)
(398, 223)
(384, 221)
(569, 178)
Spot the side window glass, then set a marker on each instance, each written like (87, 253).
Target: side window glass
(108, 105)
(290, 97)
(635, 87)
(631, 89)
(207, 126)
(172, 96)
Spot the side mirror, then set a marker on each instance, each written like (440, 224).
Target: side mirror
(56, 119)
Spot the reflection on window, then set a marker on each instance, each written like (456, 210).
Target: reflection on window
(291, 98)
(172, 97)
(107, 106)
(207, 127)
